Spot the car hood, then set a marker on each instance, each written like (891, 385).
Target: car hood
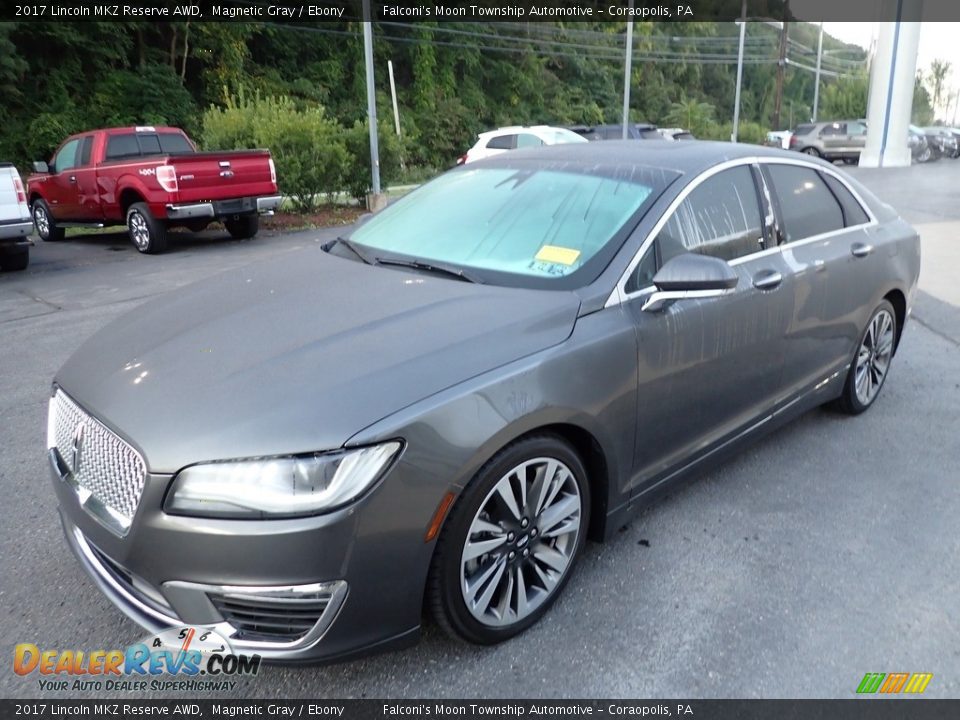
(298, 355)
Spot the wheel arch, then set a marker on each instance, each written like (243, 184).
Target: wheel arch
(127, 197)
(899, 301)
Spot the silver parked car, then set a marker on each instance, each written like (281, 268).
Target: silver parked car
(442, 408)
(839, 140)
(16, 224)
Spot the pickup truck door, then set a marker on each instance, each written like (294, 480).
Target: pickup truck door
(61, 189)
(88, 207)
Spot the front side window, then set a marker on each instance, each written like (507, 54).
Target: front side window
(528, 226)
(66, 158)
(720, 217)
(525, 140)
(806, 203)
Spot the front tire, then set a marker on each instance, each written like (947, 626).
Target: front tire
(244, 227)
(148, 234)
(511, 542)
(871, 364)
(811, 151)
(45, 224)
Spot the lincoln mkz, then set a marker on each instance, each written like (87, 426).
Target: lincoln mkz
(433, 415)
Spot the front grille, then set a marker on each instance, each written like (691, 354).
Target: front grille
(107, 467)
(268, 619)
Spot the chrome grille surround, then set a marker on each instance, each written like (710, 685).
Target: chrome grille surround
(107, 474)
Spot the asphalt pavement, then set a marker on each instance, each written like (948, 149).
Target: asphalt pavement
(826, 551)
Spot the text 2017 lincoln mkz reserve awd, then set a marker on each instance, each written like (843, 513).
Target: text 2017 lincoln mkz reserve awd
(434, 414)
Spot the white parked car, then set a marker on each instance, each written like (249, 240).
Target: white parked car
(499, 141)
(16, 223)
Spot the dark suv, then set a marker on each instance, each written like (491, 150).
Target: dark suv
(635, 131)
(838, 140)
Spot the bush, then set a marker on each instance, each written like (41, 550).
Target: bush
(358, 175)
(749, 132)
(309, 149)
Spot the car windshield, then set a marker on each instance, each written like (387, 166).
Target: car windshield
(521, 226)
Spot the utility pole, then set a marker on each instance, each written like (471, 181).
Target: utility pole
(781, 67)
(736, 102)
(375, 199)
(393, 95)
(816, 86)
(626, 74)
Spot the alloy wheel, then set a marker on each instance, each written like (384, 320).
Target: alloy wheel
(521, 542)
(873, 358)
(139, 231)
(42, 221)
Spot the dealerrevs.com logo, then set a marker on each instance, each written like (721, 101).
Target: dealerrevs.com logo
(185, 659)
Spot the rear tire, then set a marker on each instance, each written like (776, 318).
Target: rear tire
(244, 227)
(811, 151)
(871, 362)
(511, 558)
(15, 260)
(43, 220)
(148, 234)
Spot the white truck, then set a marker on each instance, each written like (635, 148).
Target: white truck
(16, 223)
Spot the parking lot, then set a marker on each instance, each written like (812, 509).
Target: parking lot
(825, 551)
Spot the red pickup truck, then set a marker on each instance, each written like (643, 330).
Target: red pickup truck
(150, 179)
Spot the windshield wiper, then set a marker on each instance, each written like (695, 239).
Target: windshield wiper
(431, 267)
(351, 246)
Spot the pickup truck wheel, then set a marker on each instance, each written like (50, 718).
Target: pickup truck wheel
(148, 234)
(15, 260)
(244, 227)
(46, 226)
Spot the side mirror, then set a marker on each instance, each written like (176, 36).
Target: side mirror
(690, 276)
(41, 167)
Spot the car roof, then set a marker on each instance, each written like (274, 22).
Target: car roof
(692, 156)
(518, 128)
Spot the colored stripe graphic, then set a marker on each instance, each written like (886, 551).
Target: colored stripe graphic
(918, 682)
(893, 683)
(871, 682)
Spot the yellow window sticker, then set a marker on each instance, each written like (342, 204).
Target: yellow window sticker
(557, 254)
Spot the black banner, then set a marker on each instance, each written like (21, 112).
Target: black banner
(872, 709)
(312, 11)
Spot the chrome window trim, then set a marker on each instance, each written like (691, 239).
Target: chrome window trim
(619, 294)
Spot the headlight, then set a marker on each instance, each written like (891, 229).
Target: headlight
(279, 487)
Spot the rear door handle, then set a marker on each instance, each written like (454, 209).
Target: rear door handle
(861, 249)
(73, 178)
(767, 279)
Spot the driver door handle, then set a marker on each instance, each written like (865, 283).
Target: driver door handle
(861, 250)
(767, 280)
(73, 178)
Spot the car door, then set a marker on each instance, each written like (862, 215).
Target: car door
(62, 194)
(823, 228)
(709, 367)
(833, 138)
(88, 194)
(856, 138)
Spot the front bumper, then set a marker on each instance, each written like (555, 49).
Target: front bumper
(225, 208)
(173, 571)
(16, 230)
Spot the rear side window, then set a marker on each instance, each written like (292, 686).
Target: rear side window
(502, 142)
(174, 143)
(853, 212)
(834, 129)
(149, 144)
(122, 146)
(806, 203)
(720, 218)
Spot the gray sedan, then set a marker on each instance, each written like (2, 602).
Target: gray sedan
(437, 412)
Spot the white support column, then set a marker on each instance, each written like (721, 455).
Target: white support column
(892, 77)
